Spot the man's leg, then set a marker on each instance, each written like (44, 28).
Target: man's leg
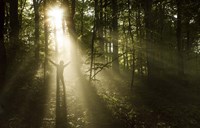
(62, 80)
(57, 80)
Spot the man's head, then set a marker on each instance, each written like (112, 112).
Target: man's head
(61, 62)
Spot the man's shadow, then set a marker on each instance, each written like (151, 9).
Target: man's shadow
(61, 110)
(61, 107)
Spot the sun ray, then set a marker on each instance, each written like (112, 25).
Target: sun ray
(56, 23)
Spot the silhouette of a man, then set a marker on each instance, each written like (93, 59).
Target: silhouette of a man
(60, 69)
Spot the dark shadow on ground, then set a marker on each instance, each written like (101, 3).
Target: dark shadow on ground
(24, 98)
(99, 115)
(169, 101)
(61, 110)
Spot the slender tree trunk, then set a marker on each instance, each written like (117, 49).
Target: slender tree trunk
(160, 53)
(14, 28)
(179, 38)
(115, 34)
(22, 5)
(69, 18)
(37, 32)
(46, 41)
(73, 8)
(148, 27)
(105, 31)
(92, 52)
(2, 47)
(132, 40)
(188, 38)
(197, 57)
(126, 60)
(82, 16)
(6, 25)
(92, 41)
(72, 32)
(70, 24)
(100, 26)
(139, 34)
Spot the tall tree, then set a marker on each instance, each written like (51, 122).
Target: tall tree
(73, 8)
(36, 4)
(92, 70)
(2, 47)
(14, 28)
(45, 40)
(114, 4)
(138, 35)
(179, 37)
(100, 26)
(70, 13)
(70, 18)
(148, 27)
(82, 16)
(132, 40)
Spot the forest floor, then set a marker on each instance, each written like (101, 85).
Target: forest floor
(105, 103)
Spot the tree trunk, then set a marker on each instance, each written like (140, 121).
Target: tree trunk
(73, 8)
(82, 16)
(125, 47)
(69, 18)
(179, 38)
(138, 35)
(92, 52)
(188, 38)
(132, 40)
(2, 47)
(101, 29)
(46, 42)
(115, 34)
(14, 28)
(148, 27)
(92, 59)
(72, 32)
(37, 32)
(160, 52)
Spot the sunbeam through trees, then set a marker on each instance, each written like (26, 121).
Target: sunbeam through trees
(99, 64)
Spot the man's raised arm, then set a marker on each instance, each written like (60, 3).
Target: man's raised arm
(66, 64)
(53, 62)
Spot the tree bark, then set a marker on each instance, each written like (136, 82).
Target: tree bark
(138, 35)
(46, 43)
(105, 31)
(100, 31)
(148, 27)
(73, 8)
(37, 32)
(76, 52)
(92, 59)
(180, 65)
(2, 47)
(14, 28)
(188, 38)
(69, 18)
(82, 16)
(115, 34)
(132, 40)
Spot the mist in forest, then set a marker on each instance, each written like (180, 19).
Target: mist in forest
(99, 64)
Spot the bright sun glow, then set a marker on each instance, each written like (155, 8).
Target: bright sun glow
(56, 21)
(56, 13)
(59, 36)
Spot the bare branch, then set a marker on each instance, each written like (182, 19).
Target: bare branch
(106, 65)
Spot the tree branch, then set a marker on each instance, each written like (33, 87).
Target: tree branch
(105, 65)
